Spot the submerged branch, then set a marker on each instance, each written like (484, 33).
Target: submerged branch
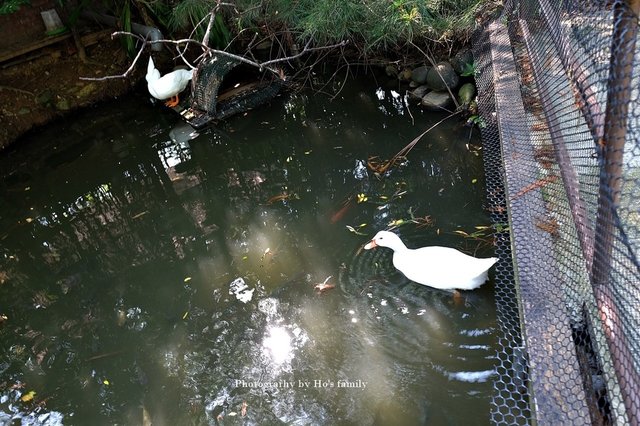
(382, 168)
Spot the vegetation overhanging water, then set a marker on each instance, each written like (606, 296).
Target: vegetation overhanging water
(150, 273)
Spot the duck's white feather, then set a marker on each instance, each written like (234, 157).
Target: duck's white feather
(168, 85)
(440, 267)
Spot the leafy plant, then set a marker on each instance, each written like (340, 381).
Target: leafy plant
(469, 69)
(191, 15)
(11, 6)
(477, 120)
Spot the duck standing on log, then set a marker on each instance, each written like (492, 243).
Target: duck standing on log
(169, 85)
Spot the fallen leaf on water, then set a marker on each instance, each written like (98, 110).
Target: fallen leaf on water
(186, 314)
(323, 286)
(354, 230)
(474, 180)
(139, 214)
(28, 396)
(279, 197)
(396, 222)
(29, 220)
(187, 279)
(106, 382)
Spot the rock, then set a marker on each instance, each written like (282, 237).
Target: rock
(63, 105)
(460, 59)
(86, 90)
(391, 71)
(419, 75)
(436, 101)
(442, 71)
(466, 93)
(405, 75)
(45, 97)
(264, 45)
(419, 92)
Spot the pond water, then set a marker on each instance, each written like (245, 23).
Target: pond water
(151, 275)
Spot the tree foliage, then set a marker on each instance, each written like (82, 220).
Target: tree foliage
(375, 24)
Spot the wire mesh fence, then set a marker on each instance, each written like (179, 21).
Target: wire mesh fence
(558, 83)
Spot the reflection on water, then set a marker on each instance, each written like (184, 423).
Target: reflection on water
(148, 271)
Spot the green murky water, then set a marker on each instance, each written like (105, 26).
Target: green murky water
(149, 273)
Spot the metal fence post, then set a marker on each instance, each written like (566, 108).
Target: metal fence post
(619, 88)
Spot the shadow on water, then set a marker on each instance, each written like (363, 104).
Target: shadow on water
(151, 273)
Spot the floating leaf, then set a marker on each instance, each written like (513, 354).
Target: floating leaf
(187, 279)
(354, 230)
(458, 231)
(474, 180)
(308, 152)
(186, 314)
(397, 222)
(140, 214)
(106, 382)
(29, 220)
(28, 396)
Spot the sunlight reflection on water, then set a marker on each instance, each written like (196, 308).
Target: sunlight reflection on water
(180, 268)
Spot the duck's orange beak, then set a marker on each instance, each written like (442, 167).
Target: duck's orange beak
(371, 244)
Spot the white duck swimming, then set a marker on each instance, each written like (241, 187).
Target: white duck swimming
(444, 268)
(167, 86)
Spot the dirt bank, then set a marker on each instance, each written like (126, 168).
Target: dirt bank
(35, 92)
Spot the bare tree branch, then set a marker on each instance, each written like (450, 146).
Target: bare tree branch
(261, 66)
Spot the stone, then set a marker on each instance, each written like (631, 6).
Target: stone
(419, 92)
(442, 71)
(405, 75)
(391, 71)
(436, 101)
(466, 93)
(86, 90)
(45, 97)
(419, 75)
(460, 59)
(63, 105)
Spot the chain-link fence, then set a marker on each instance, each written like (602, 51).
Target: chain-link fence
(558, 91)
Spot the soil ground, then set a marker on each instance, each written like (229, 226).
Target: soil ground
(35, 92)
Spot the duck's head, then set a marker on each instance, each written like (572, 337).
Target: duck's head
(385, 239)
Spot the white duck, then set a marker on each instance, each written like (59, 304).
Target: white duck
(169, 85)
(444, 268)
